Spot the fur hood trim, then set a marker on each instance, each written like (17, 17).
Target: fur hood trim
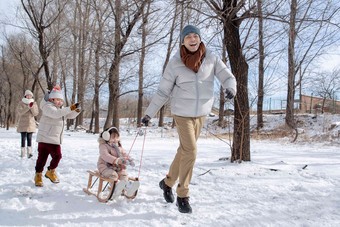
(101, 140)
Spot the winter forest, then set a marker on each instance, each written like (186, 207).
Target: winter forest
(258, 164)
(110, 55)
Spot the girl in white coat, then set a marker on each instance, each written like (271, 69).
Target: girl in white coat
(50, 133)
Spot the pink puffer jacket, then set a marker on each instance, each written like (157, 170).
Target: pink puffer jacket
(107, 156)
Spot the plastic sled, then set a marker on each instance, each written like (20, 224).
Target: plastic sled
(111, 189)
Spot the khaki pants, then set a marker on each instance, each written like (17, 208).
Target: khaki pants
(189, 129)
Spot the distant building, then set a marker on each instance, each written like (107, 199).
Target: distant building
(311, 104)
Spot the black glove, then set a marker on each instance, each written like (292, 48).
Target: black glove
(77, 104)
(145, 120)
(75, 107)
(229, 94)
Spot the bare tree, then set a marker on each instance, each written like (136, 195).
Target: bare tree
(6, 79)
(291, 66)
(42, 14)
(85, 48)
(120, 38)
(316, 18)
(101, 16)
(171, 44)
(260, 91)
(325, 84)
(143, 28)
(22, 51)
(222, 99)
(226, 11)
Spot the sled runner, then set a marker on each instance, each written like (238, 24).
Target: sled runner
(111, 188)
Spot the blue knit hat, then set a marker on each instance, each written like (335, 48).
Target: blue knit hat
(189, 29)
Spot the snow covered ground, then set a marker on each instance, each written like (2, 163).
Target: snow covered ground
(285, 184)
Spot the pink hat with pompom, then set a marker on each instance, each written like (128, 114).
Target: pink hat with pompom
(56, 93)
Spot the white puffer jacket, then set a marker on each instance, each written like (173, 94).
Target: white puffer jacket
(191, 94)
(52, 122)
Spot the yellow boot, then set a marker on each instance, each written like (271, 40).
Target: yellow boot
(51, 175)
(38, 180)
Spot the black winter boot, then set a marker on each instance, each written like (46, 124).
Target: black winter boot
(183, 205)
(167, 192)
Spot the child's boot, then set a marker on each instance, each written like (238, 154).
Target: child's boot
(131, 188)
(120, 185)
(29, 152)
(51, 175)
(22, 152)
(38, 180)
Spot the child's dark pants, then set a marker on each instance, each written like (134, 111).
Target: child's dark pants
(27, 135)
(45, 149)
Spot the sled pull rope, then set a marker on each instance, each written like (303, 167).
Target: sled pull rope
(141, 156)
(127, 157)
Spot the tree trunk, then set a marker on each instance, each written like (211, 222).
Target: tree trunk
(8, 115)
(141, 69)
(83, 22)
(1, 108)
(112, 113)
(261, 69)
(55, 65)
(96, 106)
(92, 116)
(9, 104)
(44, 56)
(291, 67)
(221, 108)
(74, 62)
(167, 58)
(239, 67)
(222, 99)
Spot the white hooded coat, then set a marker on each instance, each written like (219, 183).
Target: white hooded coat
(52, 122)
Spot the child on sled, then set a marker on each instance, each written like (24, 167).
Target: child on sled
(112, 162)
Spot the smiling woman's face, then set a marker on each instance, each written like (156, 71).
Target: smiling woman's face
(192, 42)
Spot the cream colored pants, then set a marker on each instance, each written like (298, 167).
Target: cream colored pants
(112, 174)
(189, 129)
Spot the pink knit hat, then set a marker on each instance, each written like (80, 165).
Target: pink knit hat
(56, 93)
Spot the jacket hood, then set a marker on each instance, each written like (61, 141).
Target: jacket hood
(44, 103)
(101, 140)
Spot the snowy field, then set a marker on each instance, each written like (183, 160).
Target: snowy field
(285, 184)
